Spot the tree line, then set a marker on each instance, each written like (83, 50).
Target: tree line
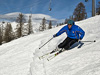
(22, 28)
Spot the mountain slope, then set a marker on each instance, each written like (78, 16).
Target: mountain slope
(78, 61)
(20, 57)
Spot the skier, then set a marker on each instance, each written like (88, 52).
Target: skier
(74, 34)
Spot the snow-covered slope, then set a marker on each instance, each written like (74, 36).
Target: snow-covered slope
(20, 57)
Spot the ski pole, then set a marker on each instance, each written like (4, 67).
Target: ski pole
(46, 43)
(89, 41)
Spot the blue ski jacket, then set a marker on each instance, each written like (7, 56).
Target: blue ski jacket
(75, 32)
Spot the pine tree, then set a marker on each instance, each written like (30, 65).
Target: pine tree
(21, 20)
(17, 32)
(40, 28)
(50, 25)
(57, 25)
(79, 12)
(0, 36)
(66, 20)
(8, 33)
(43, 24)
(98, 8)
(30, 25)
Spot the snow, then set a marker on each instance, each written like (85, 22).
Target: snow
(20, 56)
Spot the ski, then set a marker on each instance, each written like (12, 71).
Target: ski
(43, 56)
(52, 56)
(56, 52)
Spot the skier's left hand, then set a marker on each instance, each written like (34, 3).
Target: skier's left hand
(55, 35)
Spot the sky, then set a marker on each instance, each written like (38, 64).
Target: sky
(61, 9)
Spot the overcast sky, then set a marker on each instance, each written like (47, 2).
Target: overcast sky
(61, 9)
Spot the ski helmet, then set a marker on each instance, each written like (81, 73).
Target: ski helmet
(71, 22)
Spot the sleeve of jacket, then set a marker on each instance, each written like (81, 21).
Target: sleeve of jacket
(62, 30)
(81, 33)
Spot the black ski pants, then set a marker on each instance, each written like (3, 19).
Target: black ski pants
(67, 43)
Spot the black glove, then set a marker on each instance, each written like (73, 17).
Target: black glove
(55, 35)
(80, 39)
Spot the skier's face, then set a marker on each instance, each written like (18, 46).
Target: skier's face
(69, 26)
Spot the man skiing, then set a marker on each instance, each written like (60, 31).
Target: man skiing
(74, 33)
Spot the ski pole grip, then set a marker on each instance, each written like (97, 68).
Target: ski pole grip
(89, 41)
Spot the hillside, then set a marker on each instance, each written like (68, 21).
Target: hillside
(20, 57)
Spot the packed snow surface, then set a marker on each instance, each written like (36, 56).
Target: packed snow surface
(20, 57)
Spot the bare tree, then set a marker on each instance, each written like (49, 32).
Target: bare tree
(43, 24)
(21, 20)
(30, 25)
(50, 25)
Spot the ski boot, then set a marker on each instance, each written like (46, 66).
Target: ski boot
(60, 51)
(57, 49)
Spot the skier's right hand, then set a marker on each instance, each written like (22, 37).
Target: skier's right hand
(79, 40)
(55, 35)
